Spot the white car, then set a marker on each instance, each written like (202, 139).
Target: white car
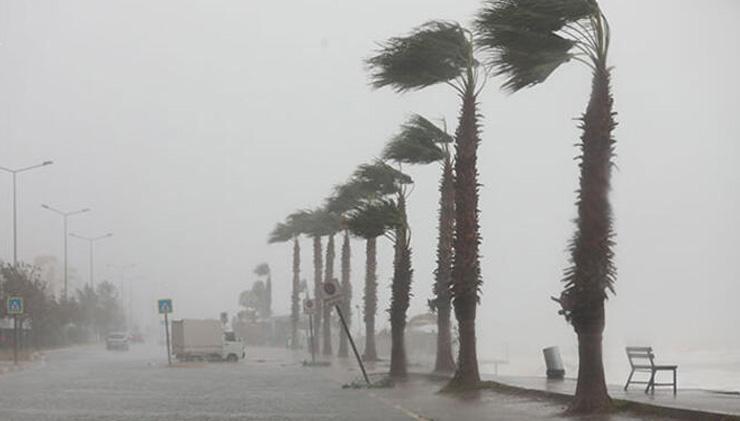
(117, 341)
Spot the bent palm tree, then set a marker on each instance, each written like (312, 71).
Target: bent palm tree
(529, 39)
(442, 53)
(328, 276)
(377, 215)
(283, 232)
(422, 142)
(345, 198)
(371, 220)
(392, 210)
(310, 223)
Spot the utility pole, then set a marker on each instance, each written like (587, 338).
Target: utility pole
(65, 216)
(91, 242)
(15, 173)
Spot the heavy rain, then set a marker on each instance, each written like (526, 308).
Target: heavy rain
(369, 210)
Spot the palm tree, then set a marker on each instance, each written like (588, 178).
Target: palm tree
(263, 269)
(528, 40)
(371, 220)
(371, 216)
(389, 209)
(442, 53)
(422, 142)
(345, 198)
(319, 223)
(347, 291)
(328, 276)
(284, 232)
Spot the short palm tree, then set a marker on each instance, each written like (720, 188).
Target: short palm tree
(284, 232)
(421, 142)
(328, 276)
(371, 220)
(528, 40)
(391, 210)
(263, 269)
(377, 185)
(345, 198)
(441, 52)
(317, 223)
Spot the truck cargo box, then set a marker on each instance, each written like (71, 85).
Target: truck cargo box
(197, 337)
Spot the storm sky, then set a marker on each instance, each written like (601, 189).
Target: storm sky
(192, 127)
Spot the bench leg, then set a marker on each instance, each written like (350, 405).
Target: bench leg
(674, 382)
(629, 379)
(651, 382)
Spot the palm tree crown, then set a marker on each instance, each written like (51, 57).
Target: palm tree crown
(529, 39)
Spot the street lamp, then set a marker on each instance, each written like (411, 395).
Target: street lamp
(65, 215)
(15, 172)
(91, 242)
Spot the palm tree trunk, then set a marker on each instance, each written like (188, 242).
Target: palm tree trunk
(443, 275)
(294, 307)
(400, 294)
(327, 348)
(268, 294)
(317, 276)
(466, 262)
(592, 271)
(370, 299)
(347, 291)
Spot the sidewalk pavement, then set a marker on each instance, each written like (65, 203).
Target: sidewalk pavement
(699, 402)
(696, 400)
(9, 366)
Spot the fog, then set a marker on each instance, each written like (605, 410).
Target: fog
(192, 127)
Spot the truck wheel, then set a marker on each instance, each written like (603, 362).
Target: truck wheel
(232, 358)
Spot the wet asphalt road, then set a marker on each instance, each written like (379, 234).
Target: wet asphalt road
(93, 384)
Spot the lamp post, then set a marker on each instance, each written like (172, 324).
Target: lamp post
(15, 173)
(65, 216)
(91, 242)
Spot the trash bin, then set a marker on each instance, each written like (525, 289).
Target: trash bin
(554, 363)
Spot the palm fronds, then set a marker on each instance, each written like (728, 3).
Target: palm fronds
(529, 39)
(373, 219)
(262, 269)
(281, 233)
(435, 52)
(318, 222)
(347, 196)
(380, 179)
(417, 142)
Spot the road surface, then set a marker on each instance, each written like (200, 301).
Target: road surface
(89, 383)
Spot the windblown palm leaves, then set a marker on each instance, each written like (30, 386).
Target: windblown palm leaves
(436, 52)
(529, 39)
(418, 142)
(374, 219)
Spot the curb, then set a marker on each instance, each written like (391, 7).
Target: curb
(621, 405)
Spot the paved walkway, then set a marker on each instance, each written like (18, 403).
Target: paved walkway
(719, 403)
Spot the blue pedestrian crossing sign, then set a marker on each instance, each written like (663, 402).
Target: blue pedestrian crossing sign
(165, 306)
(14, 305)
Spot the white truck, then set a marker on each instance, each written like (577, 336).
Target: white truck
(204, 340)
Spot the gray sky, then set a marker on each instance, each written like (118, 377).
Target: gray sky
(192, 127)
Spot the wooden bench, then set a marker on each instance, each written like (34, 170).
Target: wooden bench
(642, 359)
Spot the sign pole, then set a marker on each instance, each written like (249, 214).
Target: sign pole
(310, 334)
(167, 334)
(15, 339)
(352, 342)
